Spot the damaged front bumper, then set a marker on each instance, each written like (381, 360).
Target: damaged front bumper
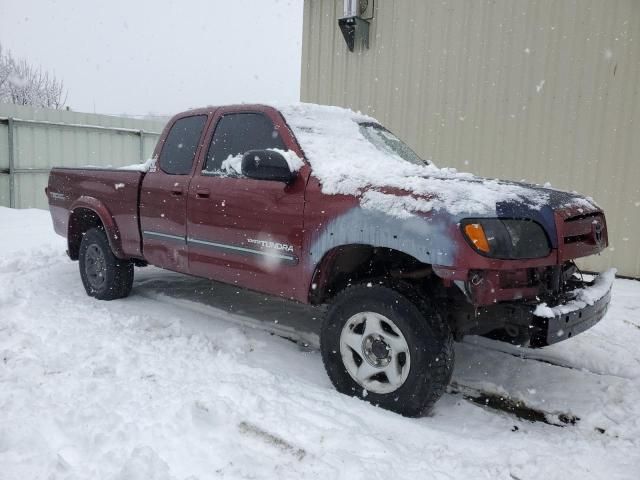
(587, 307)
(538, 325)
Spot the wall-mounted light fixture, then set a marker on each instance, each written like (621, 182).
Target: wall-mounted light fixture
(355, 28)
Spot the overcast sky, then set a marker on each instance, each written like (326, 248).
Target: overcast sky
(162, 56)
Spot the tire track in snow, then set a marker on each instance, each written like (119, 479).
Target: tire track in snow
(533, 355)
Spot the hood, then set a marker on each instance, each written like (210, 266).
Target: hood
(459, 197)
(555, 199)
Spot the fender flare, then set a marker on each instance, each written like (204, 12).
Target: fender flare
(105, 216)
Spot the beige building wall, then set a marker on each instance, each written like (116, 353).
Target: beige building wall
(542, 90)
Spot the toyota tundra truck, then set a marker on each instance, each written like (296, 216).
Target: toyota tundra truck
(324, 206)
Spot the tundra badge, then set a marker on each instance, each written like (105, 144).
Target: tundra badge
(271, 245)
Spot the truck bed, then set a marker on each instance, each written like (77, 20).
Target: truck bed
(113, 193)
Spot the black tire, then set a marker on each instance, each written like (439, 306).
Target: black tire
(428, 337)
(104, 276)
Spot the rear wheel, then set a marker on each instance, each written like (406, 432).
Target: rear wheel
(388, 347)
(104, 276)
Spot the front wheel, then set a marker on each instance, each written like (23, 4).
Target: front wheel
(387, 347)
(104, 276)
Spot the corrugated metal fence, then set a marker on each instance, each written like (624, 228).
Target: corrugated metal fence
(32, 140)
(545, 90)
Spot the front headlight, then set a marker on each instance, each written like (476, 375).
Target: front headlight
(506, 238)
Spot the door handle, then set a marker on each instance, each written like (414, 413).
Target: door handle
(202, 193)
(176, 191)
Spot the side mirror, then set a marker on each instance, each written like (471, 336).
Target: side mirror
(266, 165)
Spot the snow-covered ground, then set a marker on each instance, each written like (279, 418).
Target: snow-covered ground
(169, 384)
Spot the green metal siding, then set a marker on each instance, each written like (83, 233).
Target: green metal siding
(83, 139)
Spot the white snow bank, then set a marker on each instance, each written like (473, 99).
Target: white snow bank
(233, 163)
(346, 162)
(584, 297)
(144, 464)
(34, 230)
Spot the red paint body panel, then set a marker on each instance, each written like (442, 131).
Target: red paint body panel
(163, 208)
(111, 194)
(237, 211)
(320, 210)
(578, 233)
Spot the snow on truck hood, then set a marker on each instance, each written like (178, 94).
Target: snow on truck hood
(345, 162)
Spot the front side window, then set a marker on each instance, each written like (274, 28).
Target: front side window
(179, 149)
(237, 133)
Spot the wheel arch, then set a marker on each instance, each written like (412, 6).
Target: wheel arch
(347, 264)
(421, 241)
(86, 213)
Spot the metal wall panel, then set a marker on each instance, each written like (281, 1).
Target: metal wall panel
(541, 90)
(37, 147)
(4, 165)
(29, 190)
(4, 147)
(4, 190)
(44, 138)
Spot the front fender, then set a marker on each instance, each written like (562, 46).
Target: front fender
(426, 238)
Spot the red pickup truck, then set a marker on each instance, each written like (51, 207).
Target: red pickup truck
(322, 205)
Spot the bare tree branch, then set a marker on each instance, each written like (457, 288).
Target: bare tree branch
(23, 84)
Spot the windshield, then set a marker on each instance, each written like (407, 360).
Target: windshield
(387, 142)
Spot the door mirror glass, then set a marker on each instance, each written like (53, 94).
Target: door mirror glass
(266, 165)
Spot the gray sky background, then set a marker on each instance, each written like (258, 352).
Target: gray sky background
(163, 56)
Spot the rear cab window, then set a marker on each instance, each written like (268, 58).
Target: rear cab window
(236, 134)
(181, 144)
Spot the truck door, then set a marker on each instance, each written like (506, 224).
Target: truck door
(240, 230)
(163, 195)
